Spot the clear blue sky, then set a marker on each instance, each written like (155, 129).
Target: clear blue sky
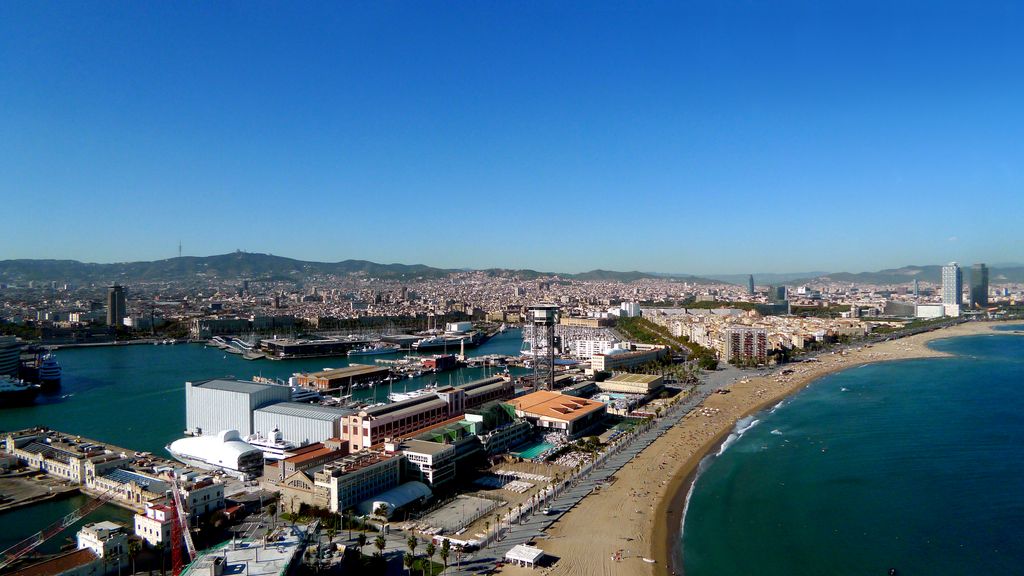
(705, 137)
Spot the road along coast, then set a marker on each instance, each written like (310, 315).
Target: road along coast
(617, 530)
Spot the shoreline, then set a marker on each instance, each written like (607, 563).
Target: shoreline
(644, 507)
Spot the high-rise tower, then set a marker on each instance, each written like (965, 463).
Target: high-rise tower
(952, 284)
(750, 285)
(116, 309)
(543, 318)
(979, 285)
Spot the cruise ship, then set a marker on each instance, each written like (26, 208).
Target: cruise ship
(374, 350)
(14, 392)
(42, 369)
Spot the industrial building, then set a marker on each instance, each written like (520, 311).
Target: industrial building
(372, 426)
(299, 423)
(215, 405)
(558, 412)
(341, 378)
(625, 383)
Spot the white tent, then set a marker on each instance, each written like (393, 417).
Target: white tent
(523, 555)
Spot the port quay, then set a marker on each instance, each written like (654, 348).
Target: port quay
(389, 434)
(223, 448)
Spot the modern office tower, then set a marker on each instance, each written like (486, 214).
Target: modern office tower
(116, 309)
(750, 285)
(979, 285)
(952, 284)
(777, 294)
(917, 288)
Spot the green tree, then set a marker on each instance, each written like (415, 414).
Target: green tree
(446, 550)
(272, 510)
(134, 547)
(380, 543)
(431, 550)
(161, 549)
(408, 560)
(361, 541)
(411, 542)
(381, 510)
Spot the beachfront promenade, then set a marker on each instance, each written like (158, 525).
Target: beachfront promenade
(570, 492)
(590, 478)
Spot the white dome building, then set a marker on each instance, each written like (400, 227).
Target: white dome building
(226, 451)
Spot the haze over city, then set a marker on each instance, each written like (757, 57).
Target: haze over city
(696, 138)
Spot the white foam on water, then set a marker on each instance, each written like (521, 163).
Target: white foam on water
(777, 432)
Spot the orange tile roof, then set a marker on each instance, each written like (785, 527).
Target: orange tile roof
(554, 405)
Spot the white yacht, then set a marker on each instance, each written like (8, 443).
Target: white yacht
(273, 445)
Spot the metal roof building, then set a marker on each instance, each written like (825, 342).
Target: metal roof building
(300, 423)
(219, 404)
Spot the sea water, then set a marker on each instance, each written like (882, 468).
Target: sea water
(916, 465)
(134, 397)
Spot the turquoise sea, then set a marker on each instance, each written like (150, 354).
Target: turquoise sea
(916, 465)
(134, 397)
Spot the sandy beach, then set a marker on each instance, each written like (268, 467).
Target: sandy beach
(642, 509)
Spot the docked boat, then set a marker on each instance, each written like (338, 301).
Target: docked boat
(14, 392)
(443, 341)
(375, 350)
(399, 396)
(274, 446)
(49, 372)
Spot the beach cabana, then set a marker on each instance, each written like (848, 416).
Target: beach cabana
(523, 555)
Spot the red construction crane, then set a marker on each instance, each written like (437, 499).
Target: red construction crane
(179, 532)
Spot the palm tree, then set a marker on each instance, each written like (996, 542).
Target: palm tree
(133, 550)
(331, 533)
(509, 509)
(520, 514)
(361, 541)
(348, 520)
(412, 543)
(431, 549)
(381, 510)
(408, 560)
(446, 550)
(380, 543)
(272, 510)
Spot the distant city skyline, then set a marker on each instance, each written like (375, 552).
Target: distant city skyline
(702, 139)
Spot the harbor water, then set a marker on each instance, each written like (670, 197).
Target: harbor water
(134, 397)
(915, 465)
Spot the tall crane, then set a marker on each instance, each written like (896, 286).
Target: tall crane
(179, 532)
(21, 549)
